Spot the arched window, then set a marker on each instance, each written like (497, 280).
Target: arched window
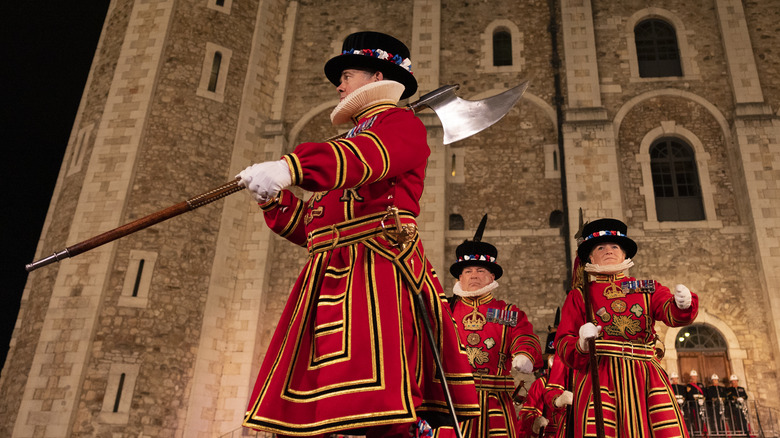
(556, 219)
(656, 49)
(700, 337)
(456, 222)
(675, 181)
(502, 48)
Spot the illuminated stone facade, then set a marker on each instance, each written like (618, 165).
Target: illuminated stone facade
(94, 354)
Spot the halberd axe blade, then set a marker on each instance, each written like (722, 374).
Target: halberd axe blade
(462, 118)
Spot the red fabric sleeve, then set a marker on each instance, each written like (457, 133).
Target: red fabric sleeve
(666, 310)
(284, 216)
(524, 340)
(572, 318)
(556, 384)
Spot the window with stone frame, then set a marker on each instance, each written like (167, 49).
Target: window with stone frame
(657, 51)
(220, 5)
(502, 47)
(118, 395)
(213, 80)
(138, 279)
(678, 195)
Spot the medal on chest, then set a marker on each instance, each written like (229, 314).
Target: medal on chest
(366, 124)
(618, 306)
(503, 317)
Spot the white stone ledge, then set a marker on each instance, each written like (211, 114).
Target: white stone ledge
(494, 236)
(753, 109)
(597, 114)
(687, 225)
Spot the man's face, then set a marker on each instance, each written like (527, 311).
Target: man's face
(352, 79)
(715, 382)
(694, 379)
(734, 383)
(607, 253)
(675, 380)
(474, 278)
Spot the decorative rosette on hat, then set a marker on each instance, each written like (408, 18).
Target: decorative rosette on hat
(476, 253)
(374, 51)
(605, 230)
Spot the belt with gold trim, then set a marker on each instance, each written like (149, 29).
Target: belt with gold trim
(625, 350)
(354, 231)
(488, 382)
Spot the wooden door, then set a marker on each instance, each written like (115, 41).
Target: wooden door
(689, 361)
(706, 363)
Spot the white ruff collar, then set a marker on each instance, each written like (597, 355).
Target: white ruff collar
(609, 269)
(385, 91)
(457, 290)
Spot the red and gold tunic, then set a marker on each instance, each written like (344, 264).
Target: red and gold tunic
(349, 352)
(636, 395)
(494, 332)
(539, 403)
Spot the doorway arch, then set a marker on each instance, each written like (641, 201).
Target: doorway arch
(735, 354)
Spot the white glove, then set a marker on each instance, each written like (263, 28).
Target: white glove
(522, 364)
(265, 180)
(564, 399)
(740, 399)
(587, 331)
(682, 297)
(539, 423)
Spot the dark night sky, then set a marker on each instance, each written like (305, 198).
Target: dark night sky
(46, 49)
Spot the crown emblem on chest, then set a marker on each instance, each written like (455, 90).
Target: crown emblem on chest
(474, 321)
(613, 291)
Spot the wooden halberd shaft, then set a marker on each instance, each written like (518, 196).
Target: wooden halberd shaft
(138, 224)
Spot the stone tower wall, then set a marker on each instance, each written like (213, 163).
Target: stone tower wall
(185, 351)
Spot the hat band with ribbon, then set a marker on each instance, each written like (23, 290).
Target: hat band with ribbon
(476, 257)
(405, 63)
(603, 233)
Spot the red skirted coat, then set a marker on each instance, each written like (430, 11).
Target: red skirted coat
(494, 332)
(636, 395)
(349, 351)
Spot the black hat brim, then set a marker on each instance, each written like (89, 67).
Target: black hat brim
(457, 268)
(394, 72)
